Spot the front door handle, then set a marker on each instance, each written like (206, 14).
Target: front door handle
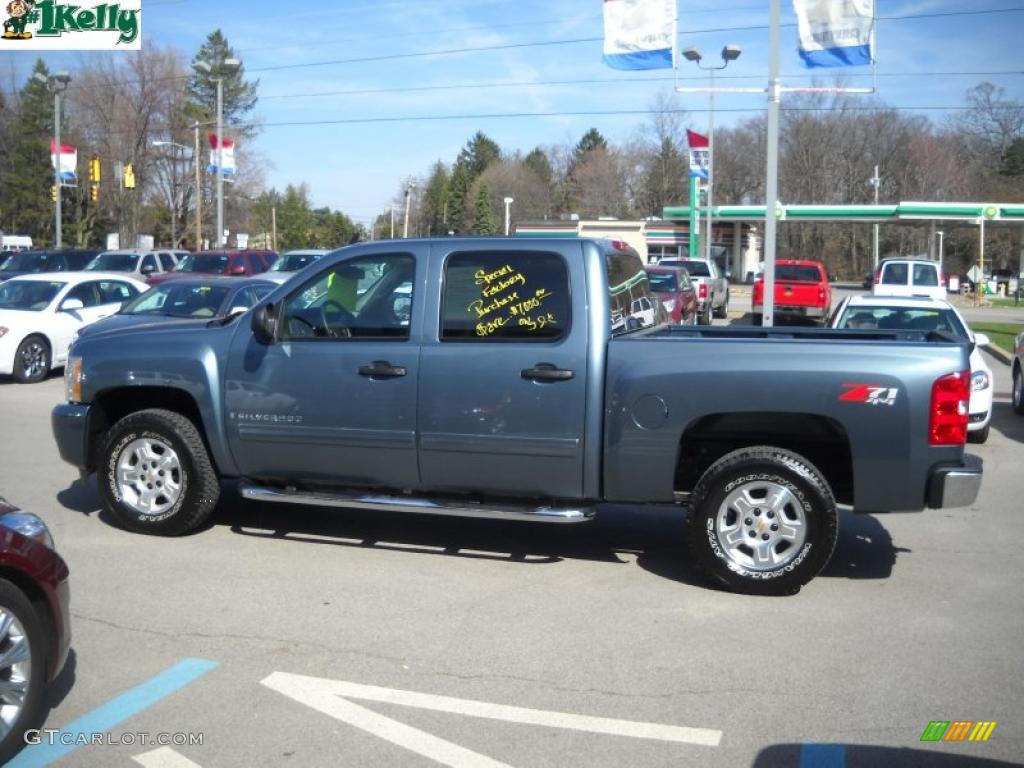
(547, 372)
(381, 369)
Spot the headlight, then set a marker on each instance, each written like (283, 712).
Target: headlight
(73, 378)
(979, 380)
(3, 331)
(28, 525)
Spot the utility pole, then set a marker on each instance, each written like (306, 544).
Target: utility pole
(273, 227)
(876, 182)
(772, 169)
(408, 202)
(199, 192)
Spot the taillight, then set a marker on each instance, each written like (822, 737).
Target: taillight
(878, 277)
(821, 295)
(703, 290)
(947, 423)
(942, 280)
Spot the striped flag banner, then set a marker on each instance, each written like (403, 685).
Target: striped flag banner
(224, 157)
(639, 34)
(68, 159)
(700, 154)
(836, 33)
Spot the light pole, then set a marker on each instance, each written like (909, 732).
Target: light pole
(224, 66)
(408, 199)
(174, 186)
(939, 232)
(729, 53)
(876, 182)
(58, 83)
(508, 213)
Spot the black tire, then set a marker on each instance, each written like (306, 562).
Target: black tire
(171, 437)
(808, 505)
(723, 311)
(704, 318)
(1018, 390)
(978, 435)
(32, 360)
(16, 605)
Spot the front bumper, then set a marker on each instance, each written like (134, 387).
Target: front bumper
(955, 486)
(70, 422)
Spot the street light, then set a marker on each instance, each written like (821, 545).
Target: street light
(174, 191)
(940, 233)
(408, 199)
(58, 83)
(729, 53)
(224, 66)
(508, 211)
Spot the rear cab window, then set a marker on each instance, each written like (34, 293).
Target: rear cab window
(633, 304)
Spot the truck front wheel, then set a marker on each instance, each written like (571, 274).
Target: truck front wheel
(763, 521)
(155, 474)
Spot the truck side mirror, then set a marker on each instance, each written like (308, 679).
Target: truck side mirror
(264, 324)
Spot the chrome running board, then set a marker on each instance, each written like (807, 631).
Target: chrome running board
(523, 512)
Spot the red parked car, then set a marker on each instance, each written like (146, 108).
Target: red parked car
(801, 290)
(676, 293)
(35, 632)
(234, 263)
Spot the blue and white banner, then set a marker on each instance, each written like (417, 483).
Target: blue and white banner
(639, 34)
(835, 33)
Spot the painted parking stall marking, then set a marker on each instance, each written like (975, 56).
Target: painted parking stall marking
(113, 713)
(332, 698)
(164, 757)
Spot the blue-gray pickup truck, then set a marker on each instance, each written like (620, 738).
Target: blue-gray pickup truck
(487, 377)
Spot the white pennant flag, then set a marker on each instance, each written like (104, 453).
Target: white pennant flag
(836, 33)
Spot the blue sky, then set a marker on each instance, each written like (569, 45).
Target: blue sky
(359, 167)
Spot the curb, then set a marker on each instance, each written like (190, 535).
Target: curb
(999, 354)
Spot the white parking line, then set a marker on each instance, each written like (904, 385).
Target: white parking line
(164, 757)
(323, 694)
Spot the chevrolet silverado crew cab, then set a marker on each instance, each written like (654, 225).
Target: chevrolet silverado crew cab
(486, 377)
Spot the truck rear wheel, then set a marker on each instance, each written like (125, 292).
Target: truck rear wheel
(763, 521)
(723, 309)
(155, 474)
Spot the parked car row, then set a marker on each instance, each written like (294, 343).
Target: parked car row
(48, 297)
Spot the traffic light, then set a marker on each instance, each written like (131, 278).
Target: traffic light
(94, 191)
(53, 192)
(94, 170)
(129, 177)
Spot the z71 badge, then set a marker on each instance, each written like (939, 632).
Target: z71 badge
(870, 394)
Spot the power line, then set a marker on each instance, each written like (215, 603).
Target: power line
(613, 80)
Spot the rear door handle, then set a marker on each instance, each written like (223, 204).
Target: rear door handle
(382, 369)
(547, 372)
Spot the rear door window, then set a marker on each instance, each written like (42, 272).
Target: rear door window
(166, 261)
(894, 273)
(925, 274)
(505, 296)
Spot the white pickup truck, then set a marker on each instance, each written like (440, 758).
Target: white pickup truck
(711, 285)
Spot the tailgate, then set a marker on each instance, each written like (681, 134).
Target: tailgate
(797, 294)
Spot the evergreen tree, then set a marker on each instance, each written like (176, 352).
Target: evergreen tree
(591, 140)
(538, 162)
(27, 207)
(239, 96)
(484, 222)
(665, 179)
(458, 198)
(434, 205)
(479, 152)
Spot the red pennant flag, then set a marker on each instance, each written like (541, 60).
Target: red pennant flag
(695, 140)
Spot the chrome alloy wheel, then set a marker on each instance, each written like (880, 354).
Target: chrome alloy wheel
(1018, 389)
(761, 525)
(15, 670)
(33, 359)
(149, 476)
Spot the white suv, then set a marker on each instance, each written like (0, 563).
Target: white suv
(910, 277)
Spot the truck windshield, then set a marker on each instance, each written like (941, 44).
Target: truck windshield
(293, 262)
(27, 261)
(176, 300)
(114, 262)
(203, 262)
(28, 295)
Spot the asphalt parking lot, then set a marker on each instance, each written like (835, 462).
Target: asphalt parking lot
(294, 636)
